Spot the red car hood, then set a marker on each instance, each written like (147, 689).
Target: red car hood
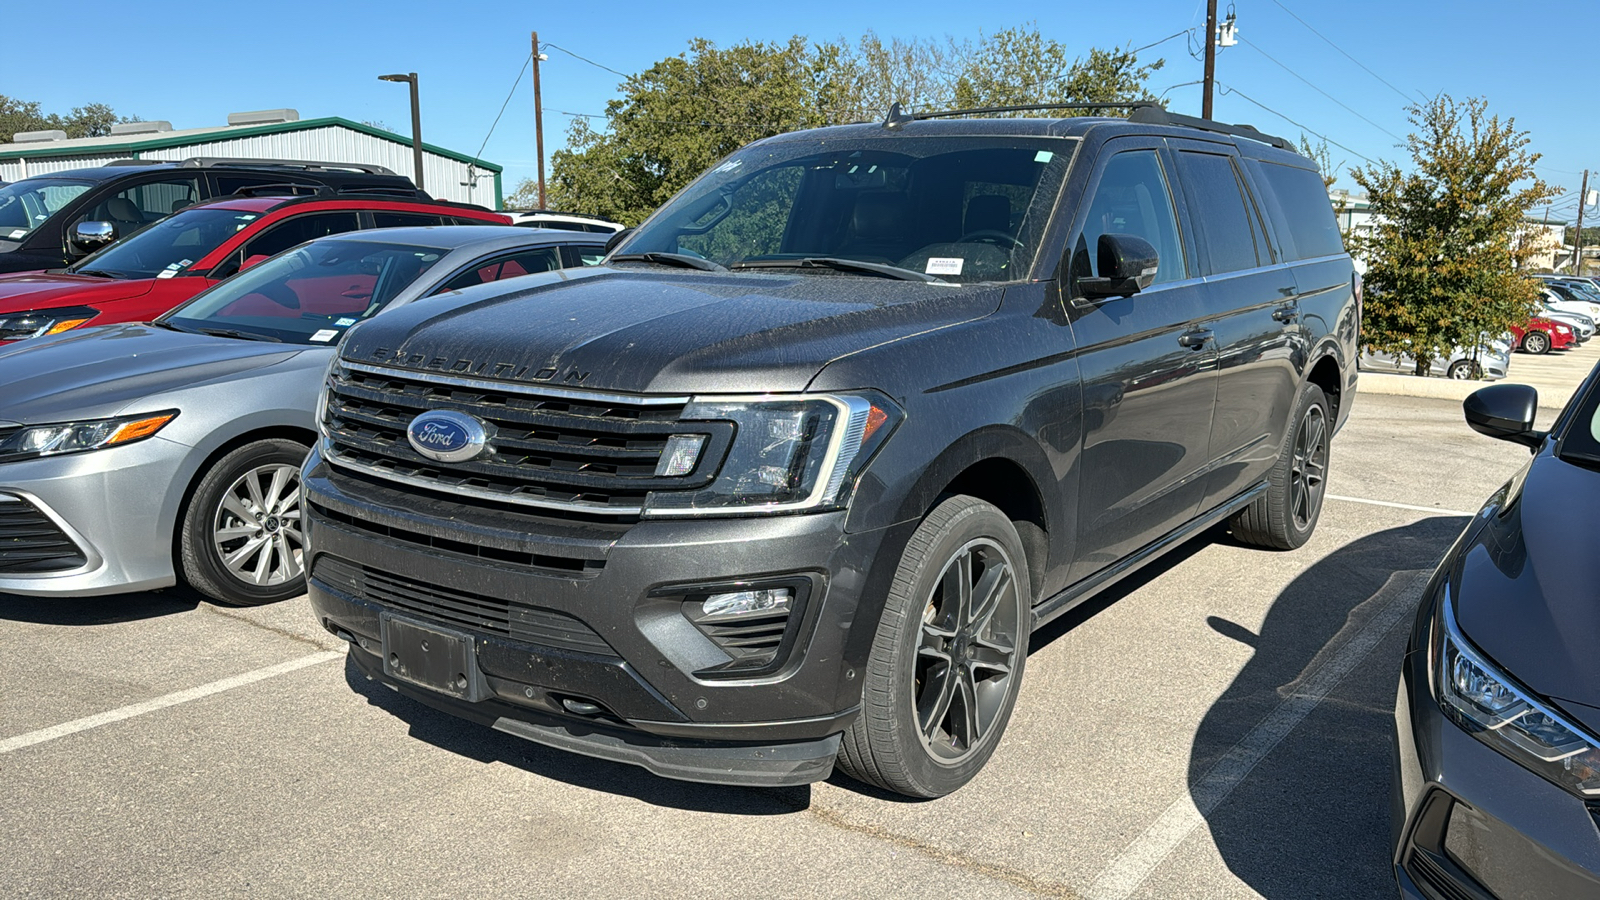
(43, 290)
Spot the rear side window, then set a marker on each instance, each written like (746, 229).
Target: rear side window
(1222, 221)
(286, 234)
(1307, 212)
(404, 220)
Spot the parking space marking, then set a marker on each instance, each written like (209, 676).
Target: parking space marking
(1426, 509)
(1391, 605)
(7, 745)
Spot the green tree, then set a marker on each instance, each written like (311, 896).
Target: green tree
(93, 120)
(1444, 257)
(1020, 66)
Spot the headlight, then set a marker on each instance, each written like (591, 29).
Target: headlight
(42, 322)
(1563, 329)
(1492, 707)
(789, 453)
(73, 437)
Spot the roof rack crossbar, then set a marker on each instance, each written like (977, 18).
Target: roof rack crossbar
(210, 162)
(898, 117)
(1155, 115)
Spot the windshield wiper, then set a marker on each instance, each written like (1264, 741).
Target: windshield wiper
(96, 273)
(241, 335)
(840, 264)
(681, 260)
(162, 323)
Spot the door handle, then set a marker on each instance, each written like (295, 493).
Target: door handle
(1196, 340)
(1286, 314)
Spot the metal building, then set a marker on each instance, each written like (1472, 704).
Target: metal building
(270, 134)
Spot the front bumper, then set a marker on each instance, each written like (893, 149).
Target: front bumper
(577, 632)
(1470, 823)
(110, 506)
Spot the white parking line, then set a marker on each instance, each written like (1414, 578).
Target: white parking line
(1386, 609)
(148, 706)
(1427, 509)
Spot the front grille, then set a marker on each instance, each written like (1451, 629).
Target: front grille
(566, 567)
(450, 607)
(553, 448)
(30, 543)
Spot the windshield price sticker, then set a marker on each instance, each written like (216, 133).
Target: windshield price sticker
(325, 335)
(172, 268)
(944, 265)
(1043, 156)
(345, 323)
(20, 232)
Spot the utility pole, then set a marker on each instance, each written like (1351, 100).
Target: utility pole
(538, 118)
(1577, 237)
(1211, 58)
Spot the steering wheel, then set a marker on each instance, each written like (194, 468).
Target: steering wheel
(989, 236)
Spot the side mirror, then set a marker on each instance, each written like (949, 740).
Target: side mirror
(1505, 412)
(1128, 265)
(617, 238)
(88, 237)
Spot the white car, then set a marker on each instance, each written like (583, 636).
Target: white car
(560, 221)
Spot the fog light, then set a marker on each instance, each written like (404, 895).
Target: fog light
(744, 603)
(681, 455)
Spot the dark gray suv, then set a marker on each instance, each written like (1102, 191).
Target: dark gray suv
(790, 479)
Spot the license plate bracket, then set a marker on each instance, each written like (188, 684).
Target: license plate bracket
(431, 657)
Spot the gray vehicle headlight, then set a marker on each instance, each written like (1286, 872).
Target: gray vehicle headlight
(790, 453)
(75, 437)
(1492, 707)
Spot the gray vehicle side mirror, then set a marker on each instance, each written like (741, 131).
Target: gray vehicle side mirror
(88, 237)
(617, 238)
(1505, 411)
(1127, 264)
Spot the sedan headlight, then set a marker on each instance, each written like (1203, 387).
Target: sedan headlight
(789, 453)
(74, 437)
(42, 322)
(1492, 707)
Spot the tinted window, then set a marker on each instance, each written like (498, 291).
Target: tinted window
(403, 220)
(132, 208)
(286, 234)
(527, 262)
(228, 184)
(1306, 210)
(1131, 198)
(1221, 220)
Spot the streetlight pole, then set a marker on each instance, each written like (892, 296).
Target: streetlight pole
(416, 124)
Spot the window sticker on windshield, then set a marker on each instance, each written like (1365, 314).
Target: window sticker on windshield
(944, 265)
(1043, 156)
(729, 166)
(19, 232)
(325, 335)
(345, 323)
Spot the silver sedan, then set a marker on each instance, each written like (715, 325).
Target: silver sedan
(1490, 362)
(135, 455)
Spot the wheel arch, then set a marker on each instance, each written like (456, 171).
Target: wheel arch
(204, 456)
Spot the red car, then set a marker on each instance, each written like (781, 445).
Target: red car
(155, 269)
(1541, 335)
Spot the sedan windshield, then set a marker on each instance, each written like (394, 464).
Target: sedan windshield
(951, 208)
(168, 247)
(311, 294)
(25, 205)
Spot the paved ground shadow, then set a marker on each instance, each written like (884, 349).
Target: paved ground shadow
(1312, 819)
(107, 610)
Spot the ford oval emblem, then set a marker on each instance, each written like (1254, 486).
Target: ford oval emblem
(448, 436)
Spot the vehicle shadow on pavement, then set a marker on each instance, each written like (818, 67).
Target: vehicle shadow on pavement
(486, 745)
(1312, 818)
(108, 610)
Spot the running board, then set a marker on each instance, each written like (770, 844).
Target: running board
(1063, 602)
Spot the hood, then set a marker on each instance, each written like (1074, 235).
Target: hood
(661, 332)
(99, 372)
(43, 290)
(1526, 593)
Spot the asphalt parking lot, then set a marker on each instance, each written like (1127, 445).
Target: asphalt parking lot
(1218, 728)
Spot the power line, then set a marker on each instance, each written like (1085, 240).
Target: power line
(1175, 34)
(514, 84)
(1324, 93)
(1227, 89)
(591, 62)
(1403, 95)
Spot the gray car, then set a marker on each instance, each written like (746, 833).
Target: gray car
(1491, 362)
(135, 455)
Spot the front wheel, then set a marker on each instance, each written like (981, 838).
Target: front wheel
(1286, 515)
(1536, 342)
(241, 542)
(947, 660)
(1464, 370)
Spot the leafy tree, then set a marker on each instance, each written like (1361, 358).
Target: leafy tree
(1020, 66)
(1442, 259)
(93, 120)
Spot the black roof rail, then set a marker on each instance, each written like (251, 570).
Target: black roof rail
(897, 117)
(213, 162)
(138, 162)
(1155, 115)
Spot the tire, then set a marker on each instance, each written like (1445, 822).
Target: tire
(241, 542)
(1464, 370)
(941, 684)
(1285, 517)
(1536, 342)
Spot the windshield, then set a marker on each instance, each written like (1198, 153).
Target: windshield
(311, 294)
(169, 246)
(961, 209)
(25, 205)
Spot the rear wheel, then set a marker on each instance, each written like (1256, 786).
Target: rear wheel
(241, 542)
(1536, 342)
(1286, 515)
(948, 657)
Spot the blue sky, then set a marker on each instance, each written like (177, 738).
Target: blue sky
(193, 63)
